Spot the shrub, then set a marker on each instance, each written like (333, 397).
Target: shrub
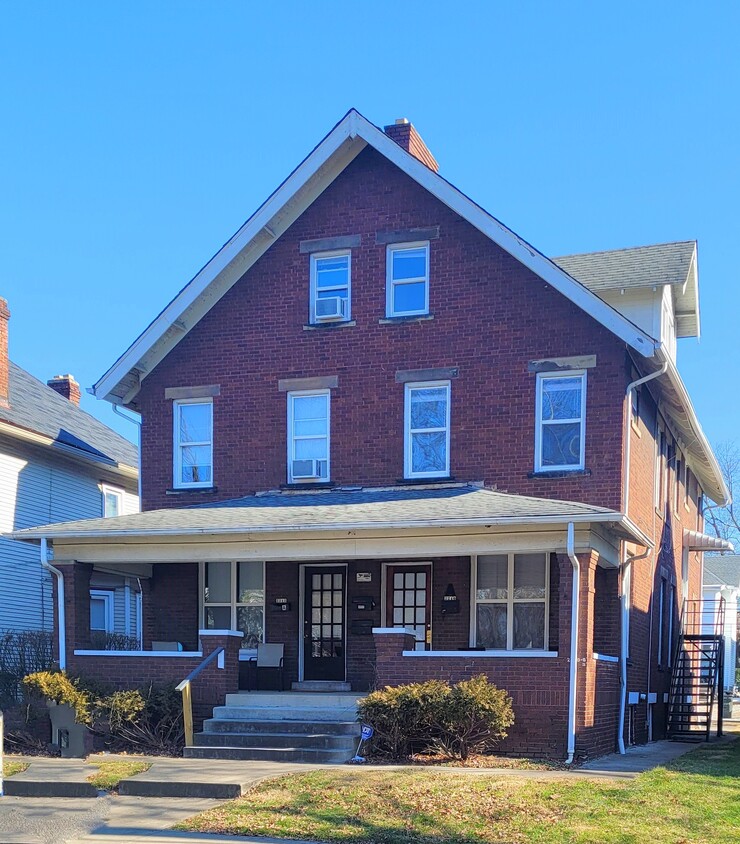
(57, 686)
(469, 717)
(22, 652)
(147, 719)
(102, 641)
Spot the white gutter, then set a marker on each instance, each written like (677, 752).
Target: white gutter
(575, 596)
(624, 609)
(61, 619)
(631, 387)
(136, 422)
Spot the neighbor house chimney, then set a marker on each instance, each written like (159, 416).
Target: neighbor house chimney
(66, 386)
(4, 362)
(404, 134)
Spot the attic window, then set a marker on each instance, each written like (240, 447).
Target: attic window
(407, 279)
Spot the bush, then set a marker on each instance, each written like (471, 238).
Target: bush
(102, 641)
(57, 686)
(147, 719)
(470, 717)
(22, 652)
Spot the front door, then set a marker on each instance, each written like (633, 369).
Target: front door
(408, 601)
(324, 633)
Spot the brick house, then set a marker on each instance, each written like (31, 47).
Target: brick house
(380, 428)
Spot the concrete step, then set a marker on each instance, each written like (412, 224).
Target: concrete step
(176, 788)
(320, 700)
(316, 741)
(285, 713)
(271, 754)
(320, 686)
(15, 787)
(233, 725)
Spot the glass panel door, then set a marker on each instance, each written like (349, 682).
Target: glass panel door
(324, 635)
(409, 602)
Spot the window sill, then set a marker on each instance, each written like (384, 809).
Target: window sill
(561, 473)
(401, 319)
(192, 490)
(475, 654)
(325, 326)
(320, 485)
(435, 479)
(636, 429)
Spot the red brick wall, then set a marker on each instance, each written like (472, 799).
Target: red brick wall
(491, 316)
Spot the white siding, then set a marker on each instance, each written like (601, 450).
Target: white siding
(37, 488)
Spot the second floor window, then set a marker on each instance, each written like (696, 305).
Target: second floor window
(407, 282)
(330, 287)
(427, 423)
(193, 443)
(308, 436)
(112, 501)
(561, 422)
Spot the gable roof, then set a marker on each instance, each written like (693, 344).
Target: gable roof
(315, 173)
(722, 571)
(36, 409)
(674, 264)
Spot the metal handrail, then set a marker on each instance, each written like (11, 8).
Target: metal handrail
(187, 699)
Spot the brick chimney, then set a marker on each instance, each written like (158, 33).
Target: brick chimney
(404, 134)
(4, 363)
(66, 386)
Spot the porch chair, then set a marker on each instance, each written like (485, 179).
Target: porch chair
(269, 659)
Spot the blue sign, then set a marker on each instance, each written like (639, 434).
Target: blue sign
(367, 732)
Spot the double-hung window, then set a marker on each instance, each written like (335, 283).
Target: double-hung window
(308, 436)
(561, 422)
(427, 429)
(101, 611)
(330, 287)
(407, 279)
(193, 443)
(511, 601)
(112, 501)
(234, 599)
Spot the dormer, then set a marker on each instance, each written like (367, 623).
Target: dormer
(655, 287)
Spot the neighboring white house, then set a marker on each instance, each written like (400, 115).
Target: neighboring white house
(722, 580)
(57, 463)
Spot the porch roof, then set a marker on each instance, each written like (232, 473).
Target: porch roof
(353, 508)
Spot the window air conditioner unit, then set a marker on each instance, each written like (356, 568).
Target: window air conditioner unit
(333, 308)
(309, 469)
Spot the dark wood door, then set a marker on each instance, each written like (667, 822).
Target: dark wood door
(408, 601)
(324, 630)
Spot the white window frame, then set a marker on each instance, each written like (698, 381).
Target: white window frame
(509, 601)
(114, 491)
(314, 289)
(390, 284)
(407, 435)
(178, 483)
(233, 604)
(291, 439)
(560, 375)
(108, 597)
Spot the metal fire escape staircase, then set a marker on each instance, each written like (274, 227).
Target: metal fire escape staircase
(698, 669)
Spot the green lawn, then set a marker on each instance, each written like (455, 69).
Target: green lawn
(696, 800)
(111, 772)
(12, 766)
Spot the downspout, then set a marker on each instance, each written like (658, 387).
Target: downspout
(624, 608)
(61, 622)
(136, 422)
(575, 598)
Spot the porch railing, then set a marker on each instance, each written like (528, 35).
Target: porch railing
(187, 698)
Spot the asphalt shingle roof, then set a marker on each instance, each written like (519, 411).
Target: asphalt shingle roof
(724, 570)
(360, 508)
(640, 266)
(36, 407)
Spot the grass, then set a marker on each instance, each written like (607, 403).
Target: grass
(12, 767)
(695, 800)
(111, 772)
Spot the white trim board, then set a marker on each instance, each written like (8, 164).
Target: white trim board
(315, 173)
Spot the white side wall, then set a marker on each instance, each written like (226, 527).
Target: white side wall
(38, 488)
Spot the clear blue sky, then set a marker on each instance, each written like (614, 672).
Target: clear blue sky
(138, 136)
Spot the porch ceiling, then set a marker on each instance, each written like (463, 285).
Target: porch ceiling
(344, 509)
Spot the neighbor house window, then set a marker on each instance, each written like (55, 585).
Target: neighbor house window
(407, 279)
(561, 422)
(234, 599)
(101, 611)
(193, 443)
(330, 287)
(112, 501)
(427, 426)
(308, 436)
(511, 601)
